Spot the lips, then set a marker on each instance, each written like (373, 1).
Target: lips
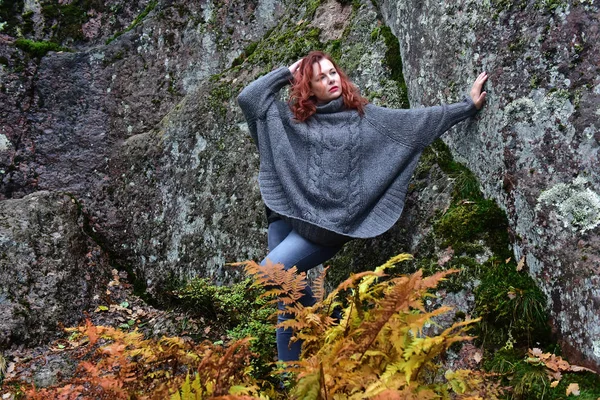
(333, 89)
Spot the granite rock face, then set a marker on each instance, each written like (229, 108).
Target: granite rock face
(50, 269)
(134, 115)
(70, 117)
(536, 146)
(188, 189)
(133, 121)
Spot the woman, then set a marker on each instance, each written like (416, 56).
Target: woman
(332, 166)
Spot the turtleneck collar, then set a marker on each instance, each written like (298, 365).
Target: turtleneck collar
(331, 107)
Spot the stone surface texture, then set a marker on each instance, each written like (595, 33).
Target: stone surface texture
(536, 145)
(136, 120)
(50, 270)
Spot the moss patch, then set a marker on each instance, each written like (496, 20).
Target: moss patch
(531, 381)
(512, 307)
(219, 98)
(136, 21)
(393, 58)
(467, 221)
(38, 49)
(239, 310)
(286, 43)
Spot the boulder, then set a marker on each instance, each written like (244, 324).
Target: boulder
(51, 270)
(536, 145)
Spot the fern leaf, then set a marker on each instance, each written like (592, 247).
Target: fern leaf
(186, 389)
(176, 396)
(91, 331)
(309, 387)
(318, 286)
(394, 260)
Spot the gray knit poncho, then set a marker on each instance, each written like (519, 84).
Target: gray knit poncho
(338, 175)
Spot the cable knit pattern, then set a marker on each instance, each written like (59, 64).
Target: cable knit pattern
(338, 175)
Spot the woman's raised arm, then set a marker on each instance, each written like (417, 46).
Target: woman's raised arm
(257, 97)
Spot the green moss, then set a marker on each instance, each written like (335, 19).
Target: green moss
(285, 43)
(334, 49)
(589, 385)
(27, 26)
(248, 51)
(219, 98)
(470, 221)
(504, 5)
(38, 49)
(239, 310)
(393, 59)
(68, 19)
(311, 7)
(136, 21)
(9, 16)
(511, 306)
(550, 5)
(534, 82)
(531, 381)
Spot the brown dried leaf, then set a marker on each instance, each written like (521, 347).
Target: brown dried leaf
(521, 264)
(573, 389)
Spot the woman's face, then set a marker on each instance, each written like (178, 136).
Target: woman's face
(325, 84)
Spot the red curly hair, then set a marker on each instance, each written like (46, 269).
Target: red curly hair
(304, 105)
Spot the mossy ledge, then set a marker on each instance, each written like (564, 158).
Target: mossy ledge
(38, 49)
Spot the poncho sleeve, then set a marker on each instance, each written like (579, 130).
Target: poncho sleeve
(419, 127)
(258, 96)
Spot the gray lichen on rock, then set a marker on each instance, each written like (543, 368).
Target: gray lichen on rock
(577, 205)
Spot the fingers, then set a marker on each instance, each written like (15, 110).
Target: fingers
(481, 80)
(477, 95)
(480, 100)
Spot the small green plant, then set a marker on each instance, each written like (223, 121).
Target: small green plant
(511, 306)
(238, 309)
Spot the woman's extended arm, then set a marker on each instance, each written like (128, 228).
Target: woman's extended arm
(421, 126)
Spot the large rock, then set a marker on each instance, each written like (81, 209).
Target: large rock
(66, 112)
(536, 145)
(139, 124)
(158, 155)
(186, 193)
(50, 269)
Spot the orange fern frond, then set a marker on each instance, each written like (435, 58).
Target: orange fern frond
(318, 286)
(287, 285)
